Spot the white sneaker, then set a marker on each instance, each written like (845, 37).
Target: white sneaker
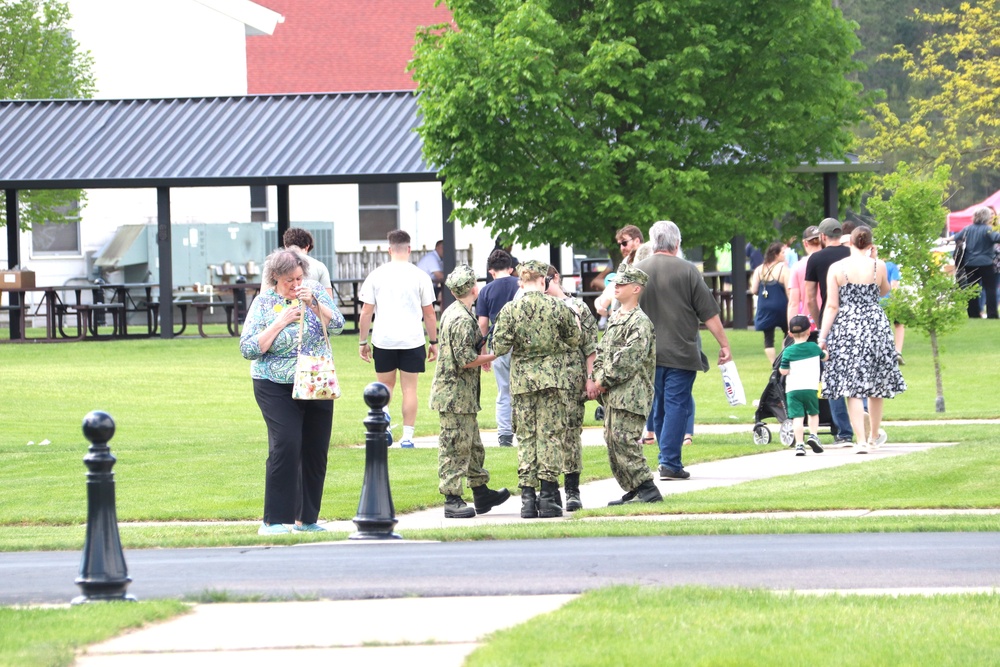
(862, 448)
(882, 438)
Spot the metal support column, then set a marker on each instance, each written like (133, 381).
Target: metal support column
(448, 236)
(284, 213)
(831, 205)
(163, 242)
(14, 259)
(740, 314)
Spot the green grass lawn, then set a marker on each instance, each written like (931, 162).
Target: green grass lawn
(700, 626)
(49, 637)
(191, 444)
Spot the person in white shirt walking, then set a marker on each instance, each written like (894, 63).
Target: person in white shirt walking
(402, 296)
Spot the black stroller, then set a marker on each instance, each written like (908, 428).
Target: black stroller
(772, 404)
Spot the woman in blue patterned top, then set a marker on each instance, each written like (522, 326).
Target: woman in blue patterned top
(298, 432)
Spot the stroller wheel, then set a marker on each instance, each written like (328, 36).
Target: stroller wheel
(761, 434)
(787, 433)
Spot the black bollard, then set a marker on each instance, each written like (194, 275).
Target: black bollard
(103, 575)
(376, 515)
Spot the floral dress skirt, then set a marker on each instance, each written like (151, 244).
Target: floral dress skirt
(862, 359)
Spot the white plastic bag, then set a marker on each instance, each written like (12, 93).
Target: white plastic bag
(732, 385)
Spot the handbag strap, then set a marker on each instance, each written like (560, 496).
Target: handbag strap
(302, 328)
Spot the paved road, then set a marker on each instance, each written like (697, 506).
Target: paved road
(398, 569)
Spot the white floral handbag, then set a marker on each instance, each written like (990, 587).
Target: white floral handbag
(315, 377)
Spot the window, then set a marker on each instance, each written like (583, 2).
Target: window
(378, 210)
(57, 238)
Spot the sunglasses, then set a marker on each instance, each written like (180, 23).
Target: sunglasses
(625, 242)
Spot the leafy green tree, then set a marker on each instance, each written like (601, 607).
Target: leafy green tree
(909, 211)
(39, 59)
(561, 121)
(957, 122)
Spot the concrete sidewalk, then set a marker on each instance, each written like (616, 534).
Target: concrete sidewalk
(439, 631)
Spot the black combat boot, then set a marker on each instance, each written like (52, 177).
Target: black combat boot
(455, 508)
(647, 492)
(529, 503)
(548, 500)
(486, 498)
(624, 499)
(573, 502)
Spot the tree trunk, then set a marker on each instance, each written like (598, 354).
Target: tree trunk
(939, 402)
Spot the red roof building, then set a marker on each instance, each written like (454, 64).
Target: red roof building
(339, 45)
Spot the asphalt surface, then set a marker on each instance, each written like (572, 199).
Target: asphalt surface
(399, 569)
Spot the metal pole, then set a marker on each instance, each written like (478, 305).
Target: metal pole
(376, 515)
(103, 574)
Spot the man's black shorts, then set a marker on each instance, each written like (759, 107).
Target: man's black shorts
(408, 361)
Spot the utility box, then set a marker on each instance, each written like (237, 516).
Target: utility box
(17, 280)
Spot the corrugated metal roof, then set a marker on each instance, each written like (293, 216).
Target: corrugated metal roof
(205, 141)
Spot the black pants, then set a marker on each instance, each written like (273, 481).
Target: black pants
(987, 280)
(298, 439)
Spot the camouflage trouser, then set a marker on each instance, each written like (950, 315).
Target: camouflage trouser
(540, 422)
(622, 430)
(572, 445)
(460, 453)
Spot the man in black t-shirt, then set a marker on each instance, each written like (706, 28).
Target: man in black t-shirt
(817, 270)
(820, 263)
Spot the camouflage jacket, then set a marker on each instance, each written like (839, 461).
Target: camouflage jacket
(540, 332)
(626, 362)
(577, 361)
(456, 389)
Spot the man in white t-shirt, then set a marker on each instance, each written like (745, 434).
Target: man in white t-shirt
(401, 295)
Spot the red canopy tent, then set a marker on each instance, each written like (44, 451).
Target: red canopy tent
(963, 218)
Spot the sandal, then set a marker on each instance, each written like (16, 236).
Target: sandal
(688, 440)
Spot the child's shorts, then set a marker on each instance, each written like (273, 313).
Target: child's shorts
(802, 403)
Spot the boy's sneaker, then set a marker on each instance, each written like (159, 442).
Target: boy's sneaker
(406, 444)
(800, 449)
(813, 443)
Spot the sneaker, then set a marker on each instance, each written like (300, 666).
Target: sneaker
(882, 438)
(272, 529)
(406, 444)
(506, 440)
(843, 442)
(899, 359)
(862, 448)
(800, 449)
(309, 528)
(813, 443)
(670, 474)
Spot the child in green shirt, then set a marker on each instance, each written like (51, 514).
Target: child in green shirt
(800, 366)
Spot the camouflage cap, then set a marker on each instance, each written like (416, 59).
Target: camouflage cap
(461, 280)
(630, 274)
(533, 265)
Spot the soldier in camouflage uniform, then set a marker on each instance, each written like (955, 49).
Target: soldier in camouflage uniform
(579, 366)
(455, 395)
(540, 331)
(623, 381)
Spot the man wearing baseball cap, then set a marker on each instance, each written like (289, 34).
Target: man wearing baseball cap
(797, 304)
(817, 268)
